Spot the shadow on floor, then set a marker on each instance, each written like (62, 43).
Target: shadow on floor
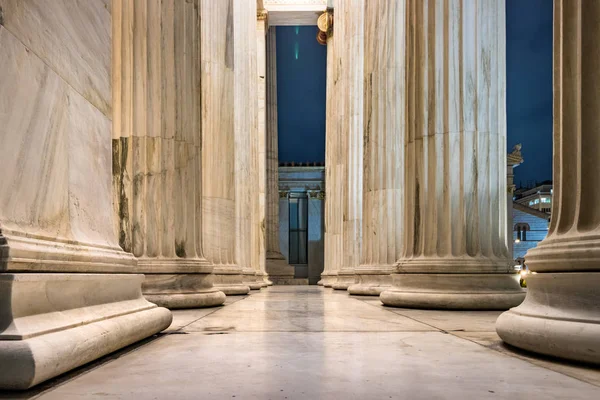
(77, 372)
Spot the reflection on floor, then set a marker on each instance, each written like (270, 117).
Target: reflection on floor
(306, 342)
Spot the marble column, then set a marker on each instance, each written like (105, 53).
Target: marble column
(261, 141)
(384, 141)
(219, 189)
(513, 160)
(276, 265)
(333, 196)
(455, 254)
(68, 294)
(245, 112)
(350, 30)
(561, 313)
(158, 142)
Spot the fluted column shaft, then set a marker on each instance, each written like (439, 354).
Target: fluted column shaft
(561, 313)
(243, 131)
(157, 168)
(276, 265)
(218, 163)
(384, 138)
(350, 27)
(455, 253)
(333, 178)
(261, 141)
(272, 212)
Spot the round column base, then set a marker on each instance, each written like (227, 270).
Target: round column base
(182, 290)
(187, 300)
(328, 280)
(343, 282)
(371, 285)
(234, 290)
(454, 291)
(560, 317)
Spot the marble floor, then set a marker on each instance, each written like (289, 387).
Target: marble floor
(307, 342)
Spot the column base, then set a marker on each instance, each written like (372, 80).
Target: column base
(560, 316)
(179, 283)
(454, 291)
(371, 284)
(252, 281)
(263, 278)
(290, 281)
(344, 281)
(175, 291)
(230, 282)
(327, 280)
(51, 323)
(280, 272)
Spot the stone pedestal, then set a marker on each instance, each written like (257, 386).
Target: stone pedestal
(372, 280)
(455, 253)
(561, 313)
(177, 287)
(157, 151)
(54, 322)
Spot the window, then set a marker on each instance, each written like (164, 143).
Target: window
(546, 200)
(298, 206)
(521, 229)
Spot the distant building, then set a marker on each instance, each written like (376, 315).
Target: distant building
(530, 226)
(528, 210)
(539, 197)
(301, 219)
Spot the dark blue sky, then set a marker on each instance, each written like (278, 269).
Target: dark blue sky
(301, 74)
(529, 86)
(301, 80)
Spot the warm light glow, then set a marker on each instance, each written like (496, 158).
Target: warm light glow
(524, 273)
(517, 240)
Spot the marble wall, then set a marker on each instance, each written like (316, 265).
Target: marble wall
(55, 112)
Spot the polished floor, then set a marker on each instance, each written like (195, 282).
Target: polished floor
(307, 342)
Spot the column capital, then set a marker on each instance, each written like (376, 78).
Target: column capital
(262, 15)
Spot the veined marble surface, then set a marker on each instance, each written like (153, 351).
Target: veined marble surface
(56, 155)
(74, 41)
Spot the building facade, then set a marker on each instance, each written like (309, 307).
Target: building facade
(539, 197)
(140, 170)
(530, 227)
(301, 220)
